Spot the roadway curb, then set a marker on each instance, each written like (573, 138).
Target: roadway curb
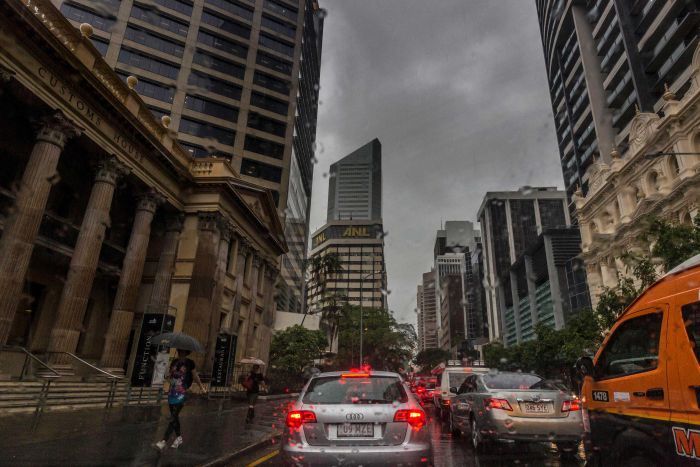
(273, 397)
(226, 459)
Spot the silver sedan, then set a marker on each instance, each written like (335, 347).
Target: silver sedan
(356, 418)
(516, 407)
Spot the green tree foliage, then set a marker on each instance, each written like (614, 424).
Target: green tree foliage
(296, 347)
(430, 358)
(387, 344)
(674, 243)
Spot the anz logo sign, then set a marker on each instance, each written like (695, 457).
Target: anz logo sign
(354, 416)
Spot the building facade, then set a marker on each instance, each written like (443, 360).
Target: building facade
(239, 80)
(427, 313)
(604, 59)
(656, 177)
(511, 222)
(107, 221)
(355, 185)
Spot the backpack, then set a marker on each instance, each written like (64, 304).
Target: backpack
(248, 383)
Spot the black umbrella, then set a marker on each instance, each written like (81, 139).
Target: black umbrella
(177, 340)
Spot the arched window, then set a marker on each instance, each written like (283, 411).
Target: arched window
(673, 166)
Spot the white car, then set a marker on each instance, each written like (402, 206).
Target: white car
(448, 381)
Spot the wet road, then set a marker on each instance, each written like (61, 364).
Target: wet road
(452, 451)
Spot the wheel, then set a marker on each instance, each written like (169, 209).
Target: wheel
(453, 428)
(568, 448)
(478, 442)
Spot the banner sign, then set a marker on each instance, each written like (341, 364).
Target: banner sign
(347, 231)
(146, 354)
(224, 358)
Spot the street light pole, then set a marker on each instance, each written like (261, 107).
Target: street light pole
(362, 328)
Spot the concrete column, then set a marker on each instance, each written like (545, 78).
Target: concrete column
(160, 295)
(116, 340)
(608, 274)
(531, 290)
(22, 226)
(201, 292)
(250, 346)
(627, 200)
(516, 305)
(554, 285)
(595, 281)
(81, 273)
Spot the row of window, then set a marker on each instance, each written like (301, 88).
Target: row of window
(265, 124)
(82, 15)
(276, 45)
(222, 44)
(178, 5)
(145, 62)
(259, 169)
(218, 86)
(279, 26)
(209, 107)
(152, 89)
(274, 63)
(264, 147)
(206, 130)
(282, 9)
(161, 21)
(268, 103)
(225, 24)
(219, 64)
(233, 7)
(154, 41)
(270, 82)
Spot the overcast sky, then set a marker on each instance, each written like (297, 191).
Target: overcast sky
(456, 92)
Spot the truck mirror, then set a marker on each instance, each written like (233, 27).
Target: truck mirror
(453, 389)
(584, 366)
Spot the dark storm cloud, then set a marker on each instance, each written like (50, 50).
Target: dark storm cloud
(456, 92)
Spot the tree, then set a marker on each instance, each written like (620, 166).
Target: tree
(429, 358)
(675, 243)
(295, 348)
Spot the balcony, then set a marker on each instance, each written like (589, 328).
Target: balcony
(674, 35)
(679, 59)
(617, 95)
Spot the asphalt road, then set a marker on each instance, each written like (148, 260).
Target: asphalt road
(453, 451)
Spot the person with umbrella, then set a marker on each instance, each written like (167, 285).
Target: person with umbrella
(252, 385)
(182, 374)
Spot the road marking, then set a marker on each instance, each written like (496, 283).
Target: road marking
(265, 458)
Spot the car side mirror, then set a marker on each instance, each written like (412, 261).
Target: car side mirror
(453, 389)
(585, 367)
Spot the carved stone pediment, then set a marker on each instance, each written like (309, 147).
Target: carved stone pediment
(642, 130)
(598, 173)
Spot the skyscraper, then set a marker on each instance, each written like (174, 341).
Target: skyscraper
(604, 59)
(238, 79)
(427, 312)
(355, 188)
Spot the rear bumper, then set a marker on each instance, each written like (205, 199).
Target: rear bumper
(406, 454)
(566, 429)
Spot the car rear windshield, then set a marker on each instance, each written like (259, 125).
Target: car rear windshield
(364, 390)
(516, 381)
(456, 379)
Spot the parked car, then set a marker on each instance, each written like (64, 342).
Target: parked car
(516, 407)
(641, 392)
(448, 379)
(424, 388)
(356, 417)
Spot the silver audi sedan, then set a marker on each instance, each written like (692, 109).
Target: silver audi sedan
(356, 418)
(516, 407)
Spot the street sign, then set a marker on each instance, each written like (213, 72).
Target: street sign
(146, 354)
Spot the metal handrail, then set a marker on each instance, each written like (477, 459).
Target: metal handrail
(75, 357)
(28, 354)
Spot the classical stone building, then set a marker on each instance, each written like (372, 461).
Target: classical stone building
(657, 176)
(106, 218)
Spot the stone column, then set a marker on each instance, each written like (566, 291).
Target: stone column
(627, 200)
(201, 292)
(608, 273)
(160, 295)
(252, 307)
(22, 226)
(83, 264)
(116, 340)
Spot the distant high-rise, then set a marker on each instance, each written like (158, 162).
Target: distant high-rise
(239, 80)
(355, 187)
(606, 58)
(427, 312)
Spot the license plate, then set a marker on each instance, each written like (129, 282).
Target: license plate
(356, 430)
(531, 407)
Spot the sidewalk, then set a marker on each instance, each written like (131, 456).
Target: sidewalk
(124, 435)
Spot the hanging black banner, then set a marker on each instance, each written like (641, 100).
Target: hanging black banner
(146, 353)
(224, 354)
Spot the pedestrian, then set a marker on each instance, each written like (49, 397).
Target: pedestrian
(252, 385)
(182, 374)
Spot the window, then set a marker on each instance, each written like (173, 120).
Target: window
(219, 64)
(633, 347)
(355, 390)
(145, 62)
(264, 147)
(81, 15)
(205, 130)
(209, 107)
(268, 125)
(152, 89)
(279, 26)
(223, 44)
(225, 24)
(274, 63)
(691, 319)
(267, 81)
(232, 7)
(268, 103)
(156, 42)
(281, 9)
(276, 45)
(178, 5)
(100, 45)
(215, 85)
(260, 170)
(161, 21)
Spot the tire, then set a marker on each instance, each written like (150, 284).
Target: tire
(568, 449)
(478, 443)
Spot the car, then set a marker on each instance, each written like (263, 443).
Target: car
(424, 388)
(356, 417)
(516, 407)
(448, 379)
(641, 391)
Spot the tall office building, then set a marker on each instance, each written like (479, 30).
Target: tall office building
(427, 312)
(239, 80)
(355, 188)
(531, 271)
(606, 58)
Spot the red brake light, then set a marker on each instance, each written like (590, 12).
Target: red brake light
(415, 418)
(571, 406)
(356, 373)
(492, 403)
(296, 418)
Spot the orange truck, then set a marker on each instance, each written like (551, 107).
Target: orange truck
(641, 391)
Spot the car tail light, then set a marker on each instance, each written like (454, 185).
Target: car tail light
(420, 390)
(296, 418)
(356, 373)
(493, 403)
(571, 406)
(415, 418)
